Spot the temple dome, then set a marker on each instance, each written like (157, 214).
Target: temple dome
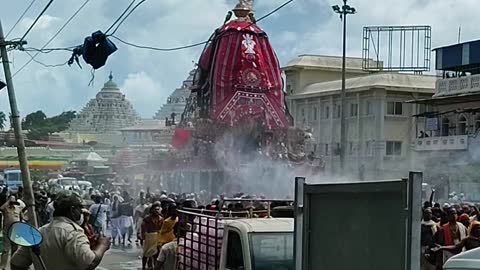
(177, 100)
(108, 112)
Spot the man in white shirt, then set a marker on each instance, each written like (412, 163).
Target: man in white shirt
(167, 258)
(98, 212)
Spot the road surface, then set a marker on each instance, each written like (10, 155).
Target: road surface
(122, 258)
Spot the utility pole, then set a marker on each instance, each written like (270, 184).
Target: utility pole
(343, 11)
(28, 197)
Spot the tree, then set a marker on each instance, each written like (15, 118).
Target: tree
(40, 126)
(3, 119)
(34, 120)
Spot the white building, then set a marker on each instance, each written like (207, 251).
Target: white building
(448, 146)
(380, 129)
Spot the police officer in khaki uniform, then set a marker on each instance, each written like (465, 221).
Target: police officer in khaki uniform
(65, 245)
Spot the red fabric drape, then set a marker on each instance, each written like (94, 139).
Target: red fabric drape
(181, 138)
(245, 78)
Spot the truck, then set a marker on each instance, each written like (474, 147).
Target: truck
(12, 179)
(469, 260)
(358, 225)
(63, 183)
(244, 239)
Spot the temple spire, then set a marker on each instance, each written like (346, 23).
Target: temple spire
(111, 76)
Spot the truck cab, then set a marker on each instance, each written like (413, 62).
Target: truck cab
(258, 243)
(469, 260)
(229, 240)
(13, 180)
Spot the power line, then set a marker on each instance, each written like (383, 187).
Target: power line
(159, 49)
(21, 17)
(195, 44)
(131, 11)
(54, 36)
(36, 20)
(275, 10)
(120, 17)
(45, 65)
(47, 50)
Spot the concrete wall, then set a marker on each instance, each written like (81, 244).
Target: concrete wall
(49, 152)
(300, 78)
(367, 132)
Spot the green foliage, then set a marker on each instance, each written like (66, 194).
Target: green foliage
(38, 175)
(3, 119)
(34, 120)
(40, 126)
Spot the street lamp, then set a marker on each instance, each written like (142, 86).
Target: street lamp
(343, 11)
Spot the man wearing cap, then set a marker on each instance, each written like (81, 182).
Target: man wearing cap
(65, 245)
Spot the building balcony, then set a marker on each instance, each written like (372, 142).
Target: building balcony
(442, 143)
(457, 85)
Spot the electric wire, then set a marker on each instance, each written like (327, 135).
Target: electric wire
(20, 18)
(275, 10)
(54, 36)
(49, 50)
(36, 20)
(129, 13)
(43, 64)
(120, 17)
(195, 44)
(159, 49)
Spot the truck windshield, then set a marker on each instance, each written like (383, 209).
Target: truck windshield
(67, 182)
(272, 251)
(12, 177)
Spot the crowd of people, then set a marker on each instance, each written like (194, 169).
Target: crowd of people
(77, 227)
(446, 231)
(65, 244)
(82, 228)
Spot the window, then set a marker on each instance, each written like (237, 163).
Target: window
(234, 251)
(477, 124)
(271, 250)
(462, 125)
(327, 150)
(336, 151)
(394, 108)
(369, 148)
(394, 148)
(289, 88)
(368, 108)
(353, 109)
(338, 111)
(326, 114)
(351, 148)
(445, 127)
(315, 112)
(423, 108)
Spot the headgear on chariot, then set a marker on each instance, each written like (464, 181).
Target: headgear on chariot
(242, 10)
(241, 7)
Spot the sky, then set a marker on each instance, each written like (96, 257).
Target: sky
(148, 77)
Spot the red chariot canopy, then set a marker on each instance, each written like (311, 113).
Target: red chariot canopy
(245, 79)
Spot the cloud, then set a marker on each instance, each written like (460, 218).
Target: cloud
(45, 22)
(141, 89)
(304, 26)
